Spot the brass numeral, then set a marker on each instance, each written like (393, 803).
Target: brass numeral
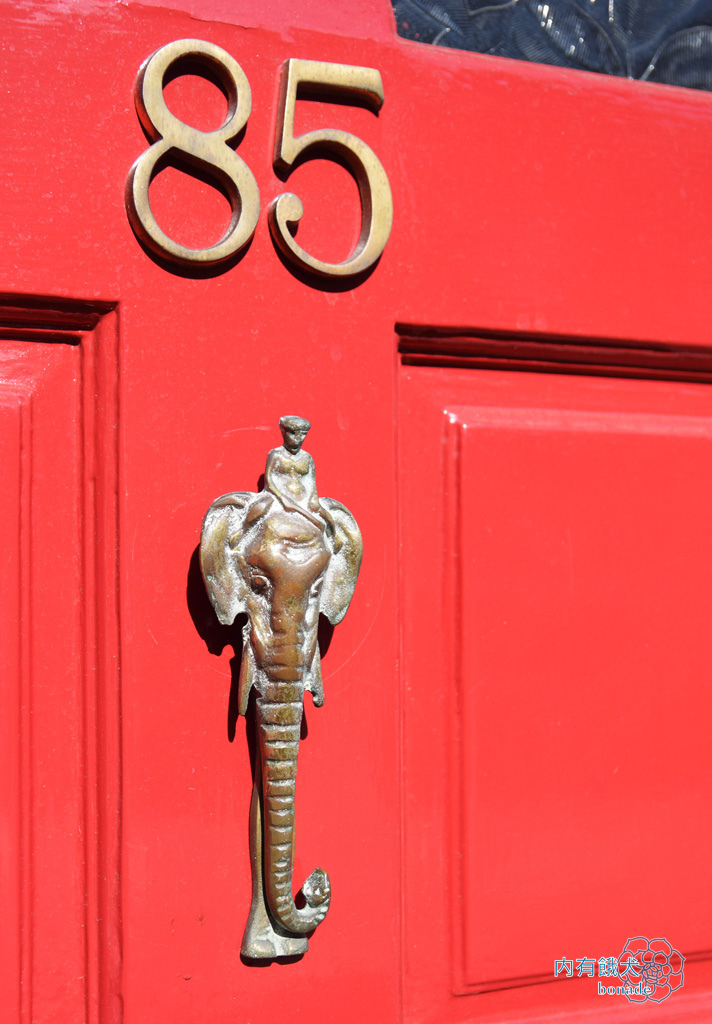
(327, 81)
(178, 144)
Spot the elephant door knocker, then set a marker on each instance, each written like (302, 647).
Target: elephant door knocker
(282, 556)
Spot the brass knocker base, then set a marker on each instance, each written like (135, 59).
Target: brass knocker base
(283, 557)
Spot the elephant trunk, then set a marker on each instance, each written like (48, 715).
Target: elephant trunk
(279, 718)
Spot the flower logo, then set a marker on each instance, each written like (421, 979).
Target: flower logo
(659, 967)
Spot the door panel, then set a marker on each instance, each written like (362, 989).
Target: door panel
(556, 215)
(58, 892)
(43, 854)
(556, 671)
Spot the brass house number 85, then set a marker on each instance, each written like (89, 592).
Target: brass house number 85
(176, 143)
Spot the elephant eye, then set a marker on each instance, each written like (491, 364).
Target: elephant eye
(260, 582)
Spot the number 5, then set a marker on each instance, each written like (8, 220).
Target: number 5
(376, 201)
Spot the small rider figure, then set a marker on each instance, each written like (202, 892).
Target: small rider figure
(290, 477)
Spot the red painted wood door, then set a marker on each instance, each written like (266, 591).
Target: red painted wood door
(511, 764)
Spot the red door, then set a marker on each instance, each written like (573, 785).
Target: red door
(510, 768)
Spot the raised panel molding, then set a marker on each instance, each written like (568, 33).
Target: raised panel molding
(566, 464)
(14, 723)
(61, 726)
(461, 348)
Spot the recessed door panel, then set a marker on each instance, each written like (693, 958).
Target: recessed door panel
(560, 554)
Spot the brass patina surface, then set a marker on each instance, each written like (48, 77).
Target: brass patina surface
(211, 156)
(331, 82)
(180, 145)
(282, 556)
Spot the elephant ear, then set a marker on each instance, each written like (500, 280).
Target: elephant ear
(344, 564)
(222, 528)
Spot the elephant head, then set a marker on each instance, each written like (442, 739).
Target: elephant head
(282, 556)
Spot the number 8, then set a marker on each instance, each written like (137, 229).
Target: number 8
(176, 143)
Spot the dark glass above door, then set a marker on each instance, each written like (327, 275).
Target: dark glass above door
(666, 41)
